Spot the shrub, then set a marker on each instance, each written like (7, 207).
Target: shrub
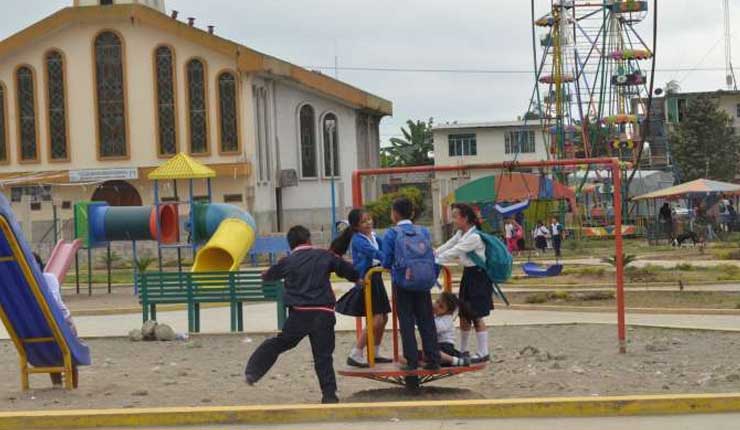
(381, 209)
(115, 260)
(559, 295)
(597, 272)
(685, 267)
(535, 299)
(594, 296)
(627, 259)
(143, 263)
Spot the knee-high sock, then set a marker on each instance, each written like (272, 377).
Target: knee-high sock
(482, 343)
(464, 340)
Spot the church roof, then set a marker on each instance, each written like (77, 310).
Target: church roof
(247, 59)
(181, 166)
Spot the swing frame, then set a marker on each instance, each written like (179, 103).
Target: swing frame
(614, 165)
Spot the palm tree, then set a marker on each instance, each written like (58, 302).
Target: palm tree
(627, 259)
(415, 149)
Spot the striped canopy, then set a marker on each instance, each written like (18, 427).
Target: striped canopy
(696, 188)
(511, 188)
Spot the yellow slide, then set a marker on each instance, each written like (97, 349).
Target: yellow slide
(229, 244)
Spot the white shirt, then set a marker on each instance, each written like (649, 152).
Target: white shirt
(555, 229)
(52, 284)
(373, 239)
(541, 231)
(457, 248)
(509, 229)
(445, 329)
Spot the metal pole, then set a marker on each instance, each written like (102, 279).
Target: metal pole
(56, 223)
(159, 228)
(77, 271)
(108, 264)
(136, 268)
(619, 249)
(331, 127)
(89, 271)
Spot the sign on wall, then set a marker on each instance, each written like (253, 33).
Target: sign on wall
(98, 175)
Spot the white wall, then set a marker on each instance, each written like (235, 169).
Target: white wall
(491, 146)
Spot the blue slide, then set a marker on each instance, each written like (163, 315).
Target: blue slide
(33, 320)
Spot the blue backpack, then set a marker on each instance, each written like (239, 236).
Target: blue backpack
(414, 259)
(498, 262)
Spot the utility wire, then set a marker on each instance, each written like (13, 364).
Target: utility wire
(494, 71)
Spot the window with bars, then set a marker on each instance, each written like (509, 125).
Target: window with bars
(166, 112)
(462, 145)
(308, 142)
(27, 114)
(197, 107)
(227, 112)
(520, 142)
(57, 106)
(331, 145)
(3, 126)
(111, 103)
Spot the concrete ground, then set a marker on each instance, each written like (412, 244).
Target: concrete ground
(668, 422)
(262, 318)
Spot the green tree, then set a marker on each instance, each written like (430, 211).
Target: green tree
(415, 149)
(703, 143)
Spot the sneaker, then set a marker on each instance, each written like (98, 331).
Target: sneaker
(409, 367)
(330, 400)
(464, 361)
(431, 366)
(351, 361)
(381, 359)
(477, 358)
(249, 379)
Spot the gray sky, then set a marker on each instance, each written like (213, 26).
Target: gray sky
(462, 34)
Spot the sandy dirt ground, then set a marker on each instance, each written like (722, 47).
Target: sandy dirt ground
(529, 361)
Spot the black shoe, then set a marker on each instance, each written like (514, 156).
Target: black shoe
(249, 379)
(477, 358)
(354, 363)
(431, 366)
(383, 360)
(329, 400)
(465, 360)
(409, 367)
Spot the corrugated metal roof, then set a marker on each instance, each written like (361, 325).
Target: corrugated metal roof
(489, 124)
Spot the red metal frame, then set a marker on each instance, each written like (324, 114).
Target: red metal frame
(612, 164)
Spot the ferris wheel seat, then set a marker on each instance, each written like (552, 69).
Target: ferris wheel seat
(627, 6)
(550, 79)
(631, 54)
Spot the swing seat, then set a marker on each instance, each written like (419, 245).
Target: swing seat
(534, 270)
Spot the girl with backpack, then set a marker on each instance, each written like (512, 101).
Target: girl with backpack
(476, 289)
(366, 254)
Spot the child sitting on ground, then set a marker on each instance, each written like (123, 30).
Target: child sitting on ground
(444, 319)
(310, 298)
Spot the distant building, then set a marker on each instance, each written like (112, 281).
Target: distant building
(96, 95)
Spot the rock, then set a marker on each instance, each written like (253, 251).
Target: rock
(556, 366)
(528, 351)
(135, 335)
(578, 370)
(140, 393)
(206, 400)
(164, 333)
(147, 330)
(734, 377)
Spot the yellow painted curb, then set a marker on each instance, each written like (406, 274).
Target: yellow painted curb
(290, 414)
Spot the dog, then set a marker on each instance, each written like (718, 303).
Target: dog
(679, 240)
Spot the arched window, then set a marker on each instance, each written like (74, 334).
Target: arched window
(228, 128)
(110, 93)
(308, 142)
(198, 107)
(26, 96)
(331, 145)
(56, 103)
(166, 106)
(3, 125)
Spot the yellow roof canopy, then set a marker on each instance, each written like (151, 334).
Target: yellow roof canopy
(181, 166)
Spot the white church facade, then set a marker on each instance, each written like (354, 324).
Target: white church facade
(95, 96)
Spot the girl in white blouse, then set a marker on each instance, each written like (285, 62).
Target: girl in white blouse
(476, 290)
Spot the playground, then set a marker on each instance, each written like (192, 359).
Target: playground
(528, 361)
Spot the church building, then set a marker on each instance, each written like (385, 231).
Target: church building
(97, 95)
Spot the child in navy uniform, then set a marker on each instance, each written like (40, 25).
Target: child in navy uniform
(414, 307)
(310, 298)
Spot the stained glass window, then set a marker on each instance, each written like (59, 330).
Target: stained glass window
(57, 105)
(227, 110)
(331, 145)
(109, 83)
(308, 142)
(27, 114)
(3, 126)
(198, 105)
(165, 75)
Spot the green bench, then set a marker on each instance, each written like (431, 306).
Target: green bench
(193, 289)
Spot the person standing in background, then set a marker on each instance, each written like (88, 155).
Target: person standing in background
(556, 230)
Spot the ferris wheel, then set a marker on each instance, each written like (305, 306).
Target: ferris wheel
(594, 77)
